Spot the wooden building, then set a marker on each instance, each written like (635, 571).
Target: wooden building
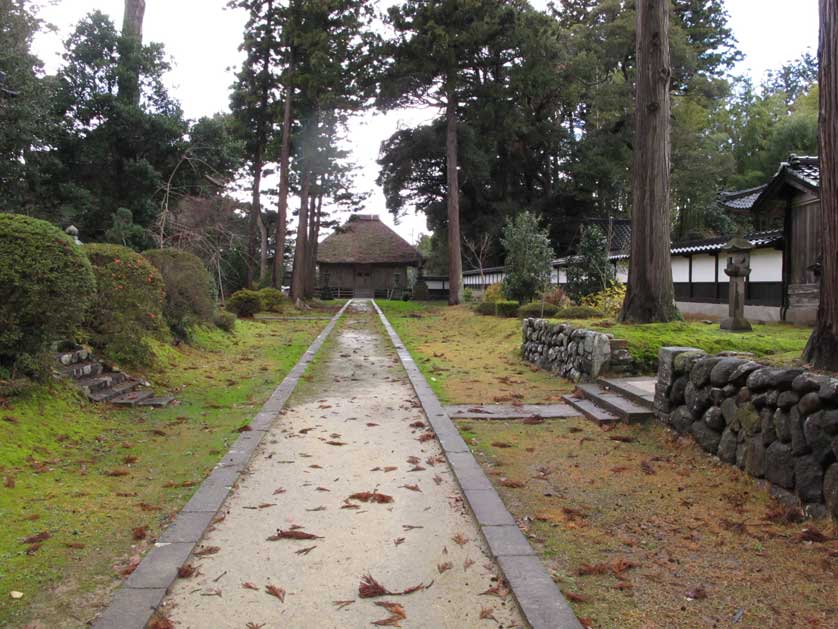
(365, 258)
(790, 204)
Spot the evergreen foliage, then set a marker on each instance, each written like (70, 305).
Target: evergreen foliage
(589, 270)
(46, 284)
(529, 257)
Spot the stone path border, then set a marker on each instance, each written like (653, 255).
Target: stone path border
(139, 596)
(509, 411)
(540, 600)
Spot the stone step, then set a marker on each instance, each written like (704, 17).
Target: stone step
(157, 402)
(132, 398)
(72, 357)
(624, 408)
(84, 369)
(590, 410)
(103, 381)
(625, 387)
(113, 392)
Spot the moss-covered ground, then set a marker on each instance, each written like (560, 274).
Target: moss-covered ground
(468, 358)
(779, 343)
(100, 483)
(654, 532)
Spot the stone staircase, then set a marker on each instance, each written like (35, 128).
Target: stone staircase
(612, 400)
(102, 383)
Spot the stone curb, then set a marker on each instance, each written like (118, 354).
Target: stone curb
(540, 601)
(135, 601)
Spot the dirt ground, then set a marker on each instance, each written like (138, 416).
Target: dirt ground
(641, 529)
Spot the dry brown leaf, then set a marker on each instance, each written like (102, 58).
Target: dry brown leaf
(508, 482)
(371, 496)
(468, 563)
(370, 588)
(438, 480)
(279, 490)
(413, 460)
(425, 436)
(186, 571)
(696, 594)
(292, 534)
(444, 567)
(488, 613)
(412, 487)
(140, 532)
(335, 443)
(253, 625)
(342, 604)
(417, 424)
(159, 621)
(573, 597)
(460, 539)
(207, 550)
(305, 551)
(397, 614)
(128, 460)
(498, 590)
(501, 444)
(247, 585)
(36, 539)
(398, 541)
(277, 591)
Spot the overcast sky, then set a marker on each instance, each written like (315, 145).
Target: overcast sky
(202, 37)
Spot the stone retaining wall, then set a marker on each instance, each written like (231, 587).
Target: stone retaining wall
(573, 353)
(775, 423)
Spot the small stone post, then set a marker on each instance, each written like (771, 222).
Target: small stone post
(73, 232)
(738, 269)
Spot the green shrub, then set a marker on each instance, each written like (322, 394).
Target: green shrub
(578, 312)
(494, 292)
(534, 310)
(499, 308)
(608, 301)
(225, 321)
(273, 300)
(486, 308)
(468, 295)
(46, 284)
(129, 304)
(245, 303)
(507, 308)
(190, 291)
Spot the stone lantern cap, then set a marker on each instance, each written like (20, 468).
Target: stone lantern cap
(738, 244)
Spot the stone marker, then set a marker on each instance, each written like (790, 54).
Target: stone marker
(738, 269)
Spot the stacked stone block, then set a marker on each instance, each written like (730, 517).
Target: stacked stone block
(573, 353)
(780, 424)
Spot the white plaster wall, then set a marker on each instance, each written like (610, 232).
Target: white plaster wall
(766, 265)
(704, 268)
(622, 271)
(680, 269)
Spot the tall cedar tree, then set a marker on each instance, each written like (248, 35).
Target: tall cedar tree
(331, 44)
(437, 51)
(254, 105)
(822, 349)
(130, 51)
(650, 295)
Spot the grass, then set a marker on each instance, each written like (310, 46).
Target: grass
(468, 358)
(663, 522)
(777, 342)
(89, 475)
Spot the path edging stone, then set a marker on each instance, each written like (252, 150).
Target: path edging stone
(141, 593)
(540, 600)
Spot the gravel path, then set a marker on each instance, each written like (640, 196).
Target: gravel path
(356, 427)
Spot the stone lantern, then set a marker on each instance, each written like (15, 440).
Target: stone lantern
(738, 269)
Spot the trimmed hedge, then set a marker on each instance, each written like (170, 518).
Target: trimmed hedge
(189, 289)
(273, 300)
(46, 284)
(225, 321)
(129, 304)
(244, 303)
(578, 312)
(499, 308)
(534, 310)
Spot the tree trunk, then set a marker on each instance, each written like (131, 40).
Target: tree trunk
(650, 295)
(822, 349)
(263, 249)
(128, 76)
(311, 248)
(282, 205)
(255, 218)
(298, 275)
(455, 262)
